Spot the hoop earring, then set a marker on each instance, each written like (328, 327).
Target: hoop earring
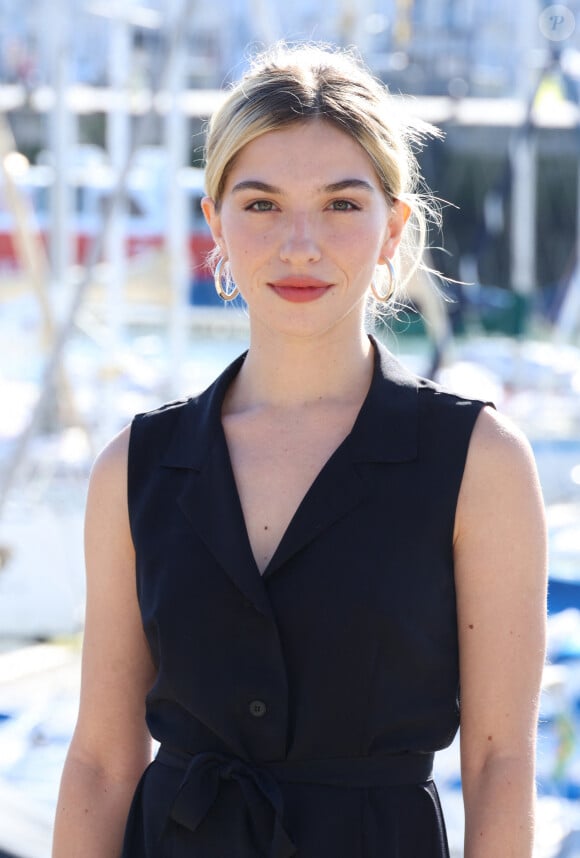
(382, 299)
(217, 279)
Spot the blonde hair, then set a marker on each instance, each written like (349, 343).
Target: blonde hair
(288, 85)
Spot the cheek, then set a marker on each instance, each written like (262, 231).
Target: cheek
(362, 236)
(360, 248)
(244, 242)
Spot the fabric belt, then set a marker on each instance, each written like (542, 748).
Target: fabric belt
(259, 783)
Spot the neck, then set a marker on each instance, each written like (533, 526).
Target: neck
(286, 372)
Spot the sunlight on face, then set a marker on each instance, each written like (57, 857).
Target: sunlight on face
(303, 222)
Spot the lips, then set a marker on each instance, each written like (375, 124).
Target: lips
(298, 281)
(299, 289)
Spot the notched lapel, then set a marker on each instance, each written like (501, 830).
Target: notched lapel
(210, 503)
(386, 430)
(336, 491)
(208, 497)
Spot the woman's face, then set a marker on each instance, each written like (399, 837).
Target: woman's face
(303, 222)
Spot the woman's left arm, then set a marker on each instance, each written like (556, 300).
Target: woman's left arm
(500, 572)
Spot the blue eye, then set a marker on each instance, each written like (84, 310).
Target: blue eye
(261, 206)
(343, 206)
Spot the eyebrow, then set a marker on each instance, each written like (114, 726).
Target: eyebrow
(255, 185)
(345, 184)
(334, 187)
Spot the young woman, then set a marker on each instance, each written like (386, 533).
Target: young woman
(303, 579)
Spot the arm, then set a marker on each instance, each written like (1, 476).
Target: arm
(500, 570)
(111, 746)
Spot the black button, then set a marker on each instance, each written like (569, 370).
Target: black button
(257, 708)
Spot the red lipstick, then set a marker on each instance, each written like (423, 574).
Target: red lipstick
(300, 289)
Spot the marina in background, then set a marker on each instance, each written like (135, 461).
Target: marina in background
(107, 309)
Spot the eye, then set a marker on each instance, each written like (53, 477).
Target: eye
(343, 206)
(260, 206)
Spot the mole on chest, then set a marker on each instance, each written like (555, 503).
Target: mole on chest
(269, 496)
(274, 465)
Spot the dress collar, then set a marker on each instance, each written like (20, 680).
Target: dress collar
(385, 429)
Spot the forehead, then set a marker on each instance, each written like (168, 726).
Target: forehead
(305, 152)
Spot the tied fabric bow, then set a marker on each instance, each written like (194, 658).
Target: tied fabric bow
(200, 787)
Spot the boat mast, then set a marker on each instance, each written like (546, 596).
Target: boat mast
(57, 32)
(179, 14)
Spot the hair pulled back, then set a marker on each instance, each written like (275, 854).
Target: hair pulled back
(289, 85)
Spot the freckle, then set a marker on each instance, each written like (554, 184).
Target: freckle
(265, 527)
(471, 625)
(489, 738)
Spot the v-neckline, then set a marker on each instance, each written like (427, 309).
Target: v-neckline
(264, 573)
(327, 464)
(385, 431)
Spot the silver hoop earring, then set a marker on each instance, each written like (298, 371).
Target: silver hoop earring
(217, 279)
(382, 299)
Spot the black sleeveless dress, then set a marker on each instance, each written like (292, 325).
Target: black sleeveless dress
(298, 711)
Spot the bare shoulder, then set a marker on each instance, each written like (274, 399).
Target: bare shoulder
(107, 485)
(500, 529)
(500, 471)
(107, 527)
(495, 435)
(108, 544)
(111, 462)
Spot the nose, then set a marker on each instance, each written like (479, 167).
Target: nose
(300, 244)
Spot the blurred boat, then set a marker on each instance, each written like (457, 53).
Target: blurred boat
(536, 383)
(91, 182)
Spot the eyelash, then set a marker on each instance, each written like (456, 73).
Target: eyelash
(256, 206)
(352, 207)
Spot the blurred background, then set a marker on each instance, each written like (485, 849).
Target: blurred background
(107, 307)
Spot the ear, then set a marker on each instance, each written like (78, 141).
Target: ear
(398, 217)
(213, 220)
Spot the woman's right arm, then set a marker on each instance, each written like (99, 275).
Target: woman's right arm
(111, 746)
